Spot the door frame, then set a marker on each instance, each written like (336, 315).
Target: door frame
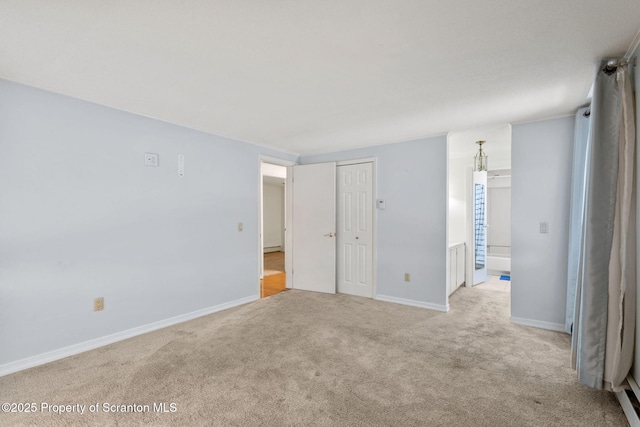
(471, 237)
(287, 216)
(374, 227)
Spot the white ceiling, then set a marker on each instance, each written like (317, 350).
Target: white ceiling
(313, 76)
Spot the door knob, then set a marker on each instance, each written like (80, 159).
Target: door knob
(329, 235)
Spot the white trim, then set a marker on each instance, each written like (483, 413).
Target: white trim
(633, 46)
(469, 254)
(260, 227)
(288, 228)
(275, 161)
(413, 303)
(61, 353)
(287, 217)
(374, 232)
(356, 161)
(558, 327)
(447, 256)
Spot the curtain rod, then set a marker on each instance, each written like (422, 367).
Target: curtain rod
(612, 65)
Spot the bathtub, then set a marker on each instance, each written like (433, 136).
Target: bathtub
(498, 264)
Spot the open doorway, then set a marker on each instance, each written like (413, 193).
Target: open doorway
(273, 229)
(498, 235)
(479, 209)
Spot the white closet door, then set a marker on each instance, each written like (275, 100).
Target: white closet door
(355, 229)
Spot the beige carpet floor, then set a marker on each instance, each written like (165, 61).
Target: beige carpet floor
(495, 284)
(302, 358)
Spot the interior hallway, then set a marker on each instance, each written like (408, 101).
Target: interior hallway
(275, 279)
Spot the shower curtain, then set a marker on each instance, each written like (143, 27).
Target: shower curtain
(601, 276)
(480, 230)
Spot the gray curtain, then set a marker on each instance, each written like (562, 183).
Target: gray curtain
(602, 247)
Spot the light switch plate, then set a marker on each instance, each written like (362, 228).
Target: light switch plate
(544, 228)
(150, 159)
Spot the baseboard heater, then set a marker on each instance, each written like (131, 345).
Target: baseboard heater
(630, 402)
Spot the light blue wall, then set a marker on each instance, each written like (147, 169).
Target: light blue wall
(82, 217)
(541, 158)
(411, 231)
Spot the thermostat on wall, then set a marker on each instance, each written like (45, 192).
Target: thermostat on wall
(150, 159)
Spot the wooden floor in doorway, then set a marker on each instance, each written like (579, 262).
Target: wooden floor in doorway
(275, 279)
(273, 284)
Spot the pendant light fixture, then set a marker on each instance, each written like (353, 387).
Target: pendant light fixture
(480, 160)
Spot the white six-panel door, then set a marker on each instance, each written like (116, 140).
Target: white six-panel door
(355, 230)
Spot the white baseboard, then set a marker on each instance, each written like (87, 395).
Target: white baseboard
(413, 303)
(61, 353)
(558, 327)
(272, 249)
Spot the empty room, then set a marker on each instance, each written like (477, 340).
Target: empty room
(338, 213)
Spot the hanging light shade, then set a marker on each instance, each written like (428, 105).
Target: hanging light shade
(480, 160)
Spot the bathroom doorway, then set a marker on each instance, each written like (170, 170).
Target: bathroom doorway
(498, 236)
(479, 210)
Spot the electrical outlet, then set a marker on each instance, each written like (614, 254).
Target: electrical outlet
(240, 226)
(98, 304)
(407, 277)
